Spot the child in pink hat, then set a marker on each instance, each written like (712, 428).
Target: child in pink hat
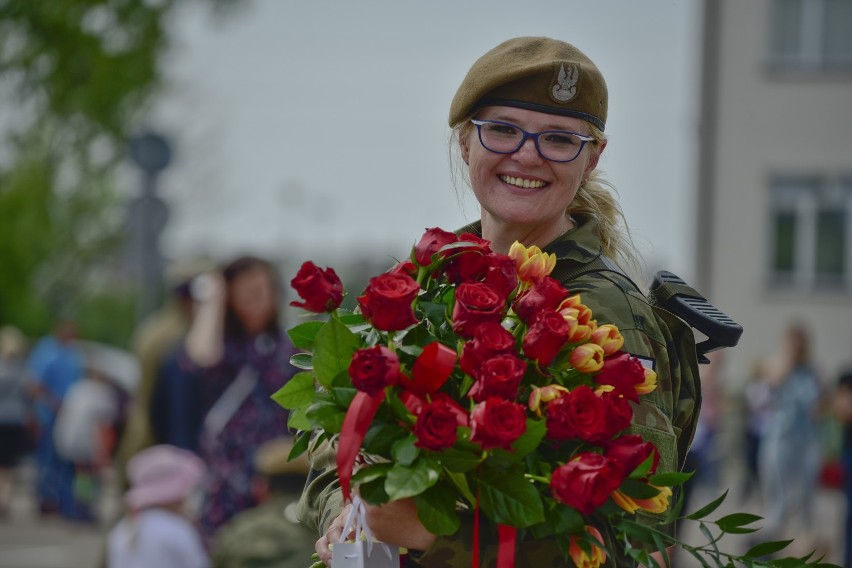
(158, 530)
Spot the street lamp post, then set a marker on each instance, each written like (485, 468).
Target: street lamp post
(148, 215)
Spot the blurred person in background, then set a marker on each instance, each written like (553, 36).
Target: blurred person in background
(16, 420)
(757, 405)
(53, 366)
(842, 406)
(154, 341)
(791, 446)
(85, 434)
(269, 534)
(240, 357)
(158, 530)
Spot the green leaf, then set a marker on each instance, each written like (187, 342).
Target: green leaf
(380, 438)
(298, 420)
(373, 492)
(436, 509)
(530, 439)
(300, 445)
(350, 319)
(460, 481)
(408, 481)
(371, 473)
(298, 392)
(302, 361)
(708, 508)
(405, 451)
(458, 460)
(343, 396)
(767, 548)
(643, 468)
(304, 334)
(638, 489)
(508, 498)
(733, 523)
(559, 518)
(333, 351)
(671, 479)
(326, 415)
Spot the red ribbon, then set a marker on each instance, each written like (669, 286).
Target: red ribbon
(355, 425)
(431, 369)
(507, 538)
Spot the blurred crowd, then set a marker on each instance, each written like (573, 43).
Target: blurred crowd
(187, 430)
(200, 450)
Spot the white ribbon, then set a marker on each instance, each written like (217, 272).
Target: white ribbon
(357, 521)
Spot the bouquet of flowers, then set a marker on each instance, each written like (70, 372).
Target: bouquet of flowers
(471, 380)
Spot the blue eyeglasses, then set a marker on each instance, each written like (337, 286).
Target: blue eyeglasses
(554, 145)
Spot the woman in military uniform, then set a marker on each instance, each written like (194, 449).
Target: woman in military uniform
(528, 120)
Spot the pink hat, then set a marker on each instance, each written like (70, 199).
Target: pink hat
(161, 475)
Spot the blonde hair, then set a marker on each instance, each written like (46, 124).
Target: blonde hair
(595, 198)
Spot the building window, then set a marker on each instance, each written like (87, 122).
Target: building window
(811, 228)
(811, 34)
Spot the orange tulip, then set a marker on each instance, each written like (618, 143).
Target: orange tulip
(657, 504)
(608, 337)
(649, 384)
(544, 394)
(530, 262)
(587, 358)
(594, 558)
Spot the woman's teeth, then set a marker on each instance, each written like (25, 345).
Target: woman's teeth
(521, 182)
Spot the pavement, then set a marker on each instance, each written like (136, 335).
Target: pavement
(28, 541)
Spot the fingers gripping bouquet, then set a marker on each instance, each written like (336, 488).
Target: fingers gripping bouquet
(473, 381)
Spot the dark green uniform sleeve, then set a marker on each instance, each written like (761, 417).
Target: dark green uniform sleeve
(322, 499)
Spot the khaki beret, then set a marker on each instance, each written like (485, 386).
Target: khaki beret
(271, 458)
(534, 73)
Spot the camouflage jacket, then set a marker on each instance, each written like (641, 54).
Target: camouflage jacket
(667, 417)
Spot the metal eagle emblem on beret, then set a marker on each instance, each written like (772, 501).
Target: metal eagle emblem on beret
(565, 87)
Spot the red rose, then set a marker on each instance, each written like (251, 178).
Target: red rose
(386, 302)
(630, 451)
(437, 423)
(546, 294)
(618, 411)
(500, 274)
(430, 243)
(489, 339)
(496, 423)
(586, 481)
(321, 290)
(624, 372)
(468, 262)
(475, 305)
(498, 376)
(545, 337)
(374, 368)
(578, 414)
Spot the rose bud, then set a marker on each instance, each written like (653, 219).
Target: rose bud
(321, 290)
(631, 451)
(594, 558)
(437, 424)
(500, 274)
(386, 302)
(624, 372)
(489, 339)
(545, 295)
(619, 413)
(405, 267)
(374, 368)
(586, 482)
(430, 243)
(587, 358)
(496, 423)
(468, 263)
(476, 304)
(498, 376)
(544, 395)
(545, 337)
(608, 337)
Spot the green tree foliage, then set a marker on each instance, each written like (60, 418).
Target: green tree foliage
(76, 77)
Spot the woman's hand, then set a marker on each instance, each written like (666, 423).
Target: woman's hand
(331, 536)
(397, 523)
